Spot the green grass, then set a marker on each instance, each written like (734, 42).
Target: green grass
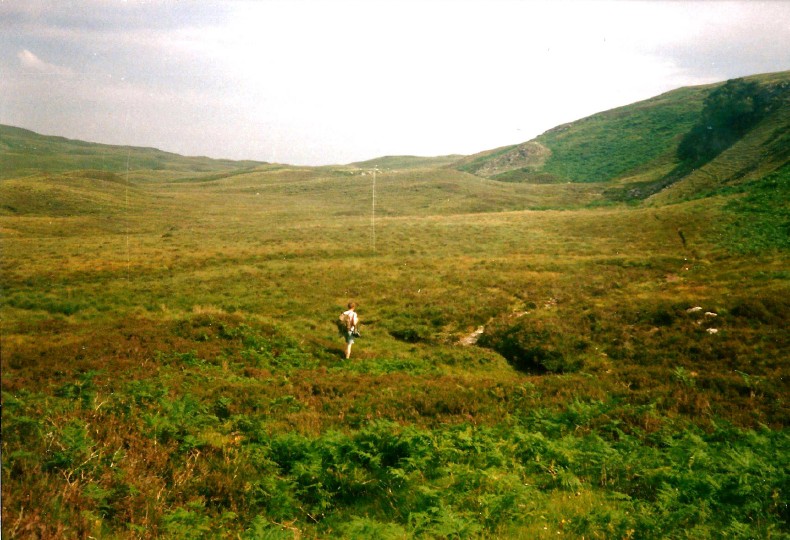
(761, 214)
(608, 145)
(611, 144)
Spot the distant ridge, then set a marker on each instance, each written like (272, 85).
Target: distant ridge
(24, 150)
(407, 162)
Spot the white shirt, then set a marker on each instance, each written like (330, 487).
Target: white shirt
(354, 317)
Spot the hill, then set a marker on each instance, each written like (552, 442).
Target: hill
(635, 148)
(23, 151)
(604, 146)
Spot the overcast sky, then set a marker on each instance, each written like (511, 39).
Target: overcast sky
(328, 81)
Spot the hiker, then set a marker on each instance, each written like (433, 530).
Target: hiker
(350, 331)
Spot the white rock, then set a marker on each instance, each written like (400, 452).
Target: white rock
(713, 331)
(694, 309)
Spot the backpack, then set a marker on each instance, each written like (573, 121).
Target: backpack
(345, 322)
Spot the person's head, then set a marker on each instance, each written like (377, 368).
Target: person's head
(352, 305)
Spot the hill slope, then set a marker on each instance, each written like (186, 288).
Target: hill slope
(635, 148)
(762, 150)
(604, 146)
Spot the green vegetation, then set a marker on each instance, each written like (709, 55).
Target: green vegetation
(26, 152)
(510, 164)
(618, 142)
(669, 148)
(171, 366)
(626, 141)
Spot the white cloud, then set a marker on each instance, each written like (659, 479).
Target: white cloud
(31, 62)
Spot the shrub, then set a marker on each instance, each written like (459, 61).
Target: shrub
(71, 450)
(190, 522)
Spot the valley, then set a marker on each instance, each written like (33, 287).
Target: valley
(171, 366)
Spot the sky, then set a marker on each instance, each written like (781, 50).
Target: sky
(315, 82)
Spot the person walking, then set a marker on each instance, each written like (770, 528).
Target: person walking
(351, 328)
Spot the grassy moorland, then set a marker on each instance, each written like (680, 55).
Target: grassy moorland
(171, 367)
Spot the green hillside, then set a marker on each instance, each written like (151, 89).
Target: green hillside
(611, 145)
(763, 148)
(538, 359)
(606, 146)
(22, 151)
(636, 147)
